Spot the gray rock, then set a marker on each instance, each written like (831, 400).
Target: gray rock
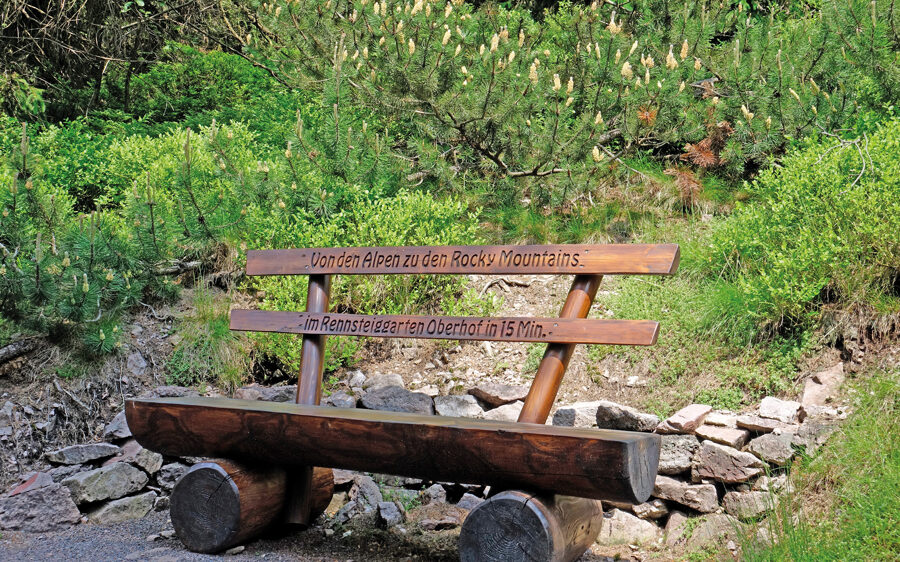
(133, 453)
(822, 386)
(389, 514)
(772, 448)
(617, 416)
(60, 473)
(48, 508)
(579, 414)
(235, 550)
(457, 406)
(434, 494)
(397, 399)
(812, 435)
(365, 491)
(342, 476)
(378, 381)
(786, 411)
(758, 424)
(285, 393)
(170, 392)
(496, 394)
(80, 454)
(676, 453)
(105, 483)
(507, 412)
(161, 503)
(357, 379)
(732, 437)
(125, 509)
(31, 481)
(748, 505)
(620, 527)
(117, 428)
(136, 363)
(350, 510)
(726, 464)
(699, 497)
(340, 399)
(653, 509)
(715, 529)
(720, 418)
(675, 527)
(469, 501)
(685, 420)
(170, 474)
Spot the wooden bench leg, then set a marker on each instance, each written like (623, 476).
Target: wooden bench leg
(515, 525)
(220, 504)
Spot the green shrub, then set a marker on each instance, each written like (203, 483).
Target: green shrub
(821, 231)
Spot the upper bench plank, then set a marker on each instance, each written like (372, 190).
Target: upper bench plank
(519, 329)
(579, 259)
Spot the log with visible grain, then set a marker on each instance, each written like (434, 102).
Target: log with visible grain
(219, 504)
(516, 525)
(216, 505)
(595, 463)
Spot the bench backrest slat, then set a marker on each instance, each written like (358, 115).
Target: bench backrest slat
(578, 259)
(518, 329)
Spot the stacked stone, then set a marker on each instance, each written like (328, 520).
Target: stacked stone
(492, 401)
(724, 467)
(103, 482)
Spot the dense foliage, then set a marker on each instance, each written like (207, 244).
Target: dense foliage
(302, 123)
(822, 229)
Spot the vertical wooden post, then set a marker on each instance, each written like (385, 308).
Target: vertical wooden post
(556, 358)
(312, 360)
(548, 529)
(303, 485)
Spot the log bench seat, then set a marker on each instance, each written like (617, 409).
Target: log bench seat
(276, 457)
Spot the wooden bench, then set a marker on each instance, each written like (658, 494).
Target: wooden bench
(551, 478)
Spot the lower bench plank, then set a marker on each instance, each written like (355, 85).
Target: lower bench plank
(590, 463)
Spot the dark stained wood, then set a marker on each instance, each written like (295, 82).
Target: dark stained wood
(599, 464)
(580, 259)
(516, 525)
(312, 499)
(312, 360)
(217, 505)
(301, 493)
(524, 329)
(556, 358)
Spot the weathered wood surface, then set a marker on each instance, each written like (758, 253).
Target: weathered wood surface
(548, 378)
(521, 329)
(217, 505)
(581, 259)
(600, 464)
(516, 525)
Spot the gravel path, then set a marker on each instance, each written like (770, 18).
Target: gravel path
(129, 541)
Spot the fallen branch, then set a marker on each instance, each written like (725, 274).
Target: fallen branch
(71, 396)
(178, 268)
(17, 349)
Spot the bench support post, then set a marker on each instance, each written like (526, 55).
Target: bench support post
(303, 486)
(515, 525)
(556, 358)
(550, 529)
